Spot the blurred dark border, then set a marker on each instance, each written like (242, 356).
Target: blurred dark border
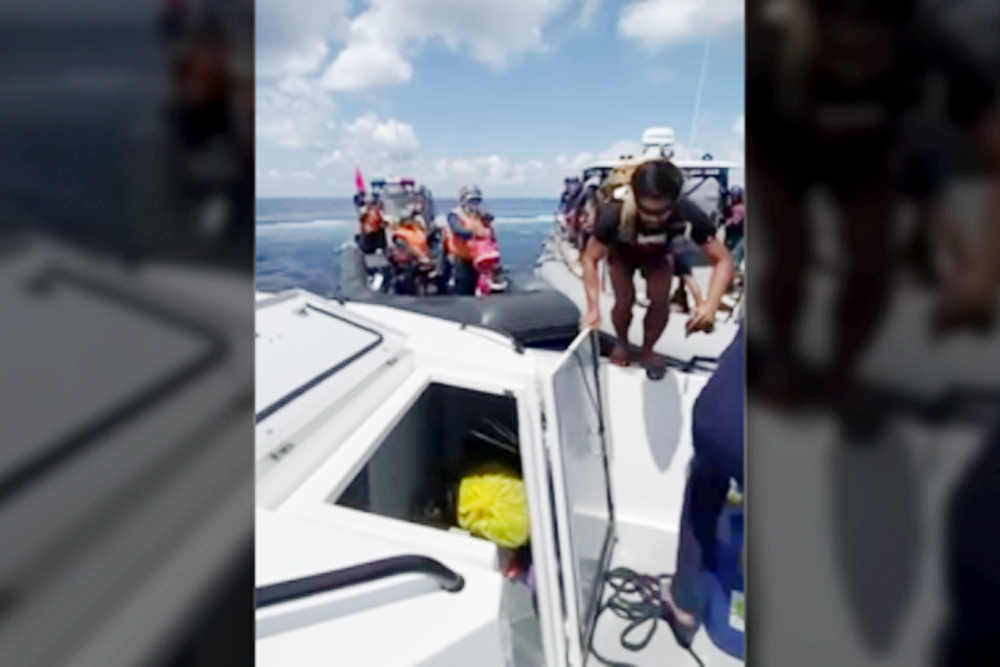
(868, 488)
(128, 148)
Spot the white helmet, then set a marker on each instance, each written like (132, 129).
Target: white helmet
(469, 194)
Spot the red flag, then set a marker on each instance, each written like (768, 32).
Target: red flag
(359, 182)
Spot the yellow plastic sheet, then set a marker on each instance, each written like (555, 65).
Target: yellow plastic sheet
(493, 505)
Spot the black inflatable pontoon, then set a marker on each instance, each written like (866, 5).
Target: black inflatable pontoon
(531, 312)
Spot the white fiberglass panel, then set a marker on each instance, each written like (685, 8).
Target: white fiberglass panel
(300, 344)
(107, 355)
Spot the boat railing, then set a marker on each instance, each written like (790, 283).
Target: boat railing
(296, 589)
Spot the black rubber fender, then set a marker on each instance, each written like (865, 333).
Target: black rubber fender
(531, 312)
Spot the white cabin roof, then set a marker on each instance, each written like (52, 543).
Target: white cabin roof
(683, 164)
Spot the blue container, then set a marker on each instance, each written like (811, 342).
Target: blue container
(724, 609)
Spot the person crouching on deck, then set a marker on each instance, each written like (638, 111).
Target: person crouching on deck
(636, 234)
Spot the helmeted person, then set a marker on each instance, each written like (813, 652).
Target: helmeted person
(410, 250)
(465, 222)
(373, 226)
(571, 187)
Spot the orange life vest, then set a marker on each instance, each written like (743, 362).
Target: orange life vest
(460, 248)
(371, 220)
(414, 238)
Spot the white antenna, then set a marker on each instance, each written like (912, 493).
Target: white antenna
(697, 96)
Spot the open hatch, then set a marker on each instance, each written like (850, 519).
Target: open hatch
(412, 474)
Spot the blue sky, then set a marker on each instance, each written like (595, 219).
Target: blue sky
(511, 94)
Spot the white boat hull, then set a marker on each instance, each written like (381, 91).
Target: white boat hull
(407, 620)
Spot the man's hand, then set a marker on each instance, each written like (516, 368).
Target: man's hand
(702, 319)
(591, 319)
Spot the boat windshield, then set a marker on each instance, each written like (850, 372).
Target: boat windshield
(398, 202)
(600, 172)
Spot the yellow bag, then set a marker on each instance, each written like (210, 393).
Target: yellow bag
(493, 505)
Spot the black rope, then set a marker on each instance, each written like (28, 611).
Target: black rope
(636, 598)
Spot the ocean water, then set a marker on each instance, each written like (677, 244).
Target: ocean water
(297, 239)
(71, 94)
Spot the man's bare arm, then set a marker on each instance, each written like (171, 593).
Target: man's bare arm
(723, 270)
(589, 259)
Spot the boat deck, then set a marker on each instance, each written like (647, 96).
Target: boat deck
(303, 531)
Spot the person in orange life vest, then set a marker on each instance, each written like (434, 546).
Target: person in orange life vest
(409, 239)
(410, 253)
(372, 237)
(466, 222)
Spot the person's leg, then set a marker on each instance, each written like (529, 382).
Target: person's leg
(621, 272)
(948, 231)
(465, 279)
(867, 216)
(972, 561)
(918, 251)
(405, 283)
(658, 278)
(923, 183)
(718, 437)
(445, 270)
(704, 499)
(683, 271)
(780, 219)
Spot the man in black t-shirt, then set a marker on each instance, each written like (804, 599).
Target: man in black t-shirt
(639, 238)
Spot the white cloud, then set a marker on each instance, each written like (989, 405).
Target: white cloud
(366, 65)
(493, 32)
(379, 141)
(384, 147)
(492, 170)
(389, 147)
(331, 158)
(292, 35)
(588, 10)
(294, 114)
(309, 51)
(656, 24)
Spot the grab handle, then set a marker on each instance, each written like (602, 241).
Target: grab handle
(296, 589)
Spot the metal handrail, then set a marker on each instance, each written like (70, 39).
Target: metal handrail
(296, 589)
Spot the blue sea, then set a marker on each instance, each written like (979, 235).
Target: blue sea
(297, 238)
